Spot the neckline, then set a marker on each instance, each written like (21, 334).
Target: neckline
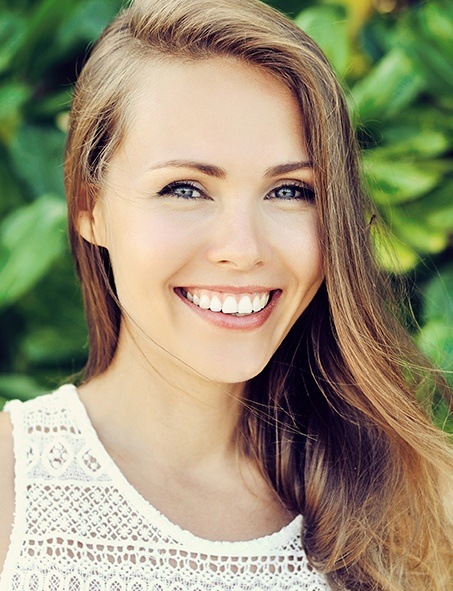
(263, 545)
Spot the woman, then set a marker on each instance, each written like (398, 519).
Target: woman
(247, 417)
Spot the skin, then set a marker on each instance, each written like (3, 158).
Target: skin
(168, 406)
(6, 483)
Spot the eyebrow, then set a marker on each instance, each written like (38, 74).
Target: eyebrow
(218, 172)
(285, 168)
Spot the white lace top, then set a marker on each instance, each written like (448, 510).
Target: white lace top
(80, 526)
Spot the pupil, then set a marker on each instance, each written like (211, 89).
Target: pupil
(184, 191)
(286, 192)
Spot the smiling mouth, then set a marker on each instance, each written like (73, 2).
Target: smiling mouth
(228, 303)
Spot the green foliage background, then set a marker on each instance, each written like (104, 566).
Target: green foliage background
(398, 67)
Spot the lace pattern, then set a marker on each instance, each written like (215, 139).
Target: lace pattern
(80, 526)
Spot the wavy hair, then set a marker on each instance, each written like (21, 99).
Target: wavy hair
(339, 419)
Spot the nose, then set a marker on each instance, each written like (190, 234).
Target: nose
(239, 239)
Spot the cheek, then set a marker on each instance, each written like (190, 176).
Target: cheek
(302, 247)
(144, 242)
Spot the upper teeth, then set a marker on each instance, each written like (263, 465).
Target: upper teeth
(228, 303)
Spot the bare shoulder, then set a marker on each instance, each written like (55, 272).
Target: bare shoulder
(6, 484)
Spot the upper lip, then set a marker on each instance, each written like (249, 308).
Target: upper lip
(230, 288)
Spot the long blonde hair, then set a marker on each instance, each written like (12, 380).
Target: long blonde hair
(334, 419)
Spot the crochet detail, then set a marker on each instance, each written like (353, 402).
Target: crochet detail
(80, 526)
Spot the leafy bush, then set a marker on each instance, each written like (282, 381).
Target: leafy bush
(399, 69)
(42, 45)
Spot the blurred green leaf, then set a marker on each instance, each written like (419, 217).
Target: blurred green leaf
(290, 7)
(393, 255)
(394, 182)
(84, 24)
(13, 386)
(437, 20)
(436, 25)
(50, 106)
(424, 116)
(435, 340)
(445, 101)
(438, 299)
(414, 231)
(410, 141)
(439, 68)
(12, 98)
(57, 333)
(37, 155)
(46, 346)
(12, 30)
(37, 49)
(328, 26)
(388, 88)
(434, 209)
(10, 189)
(31, 238)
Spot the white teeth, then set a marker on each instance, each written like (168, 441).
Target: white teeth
(205, 302)
(230, 305)
(216, 304)
(245, 305)
(256, 304)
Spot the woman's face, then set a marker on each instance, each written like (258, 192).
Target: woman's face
(209, 218)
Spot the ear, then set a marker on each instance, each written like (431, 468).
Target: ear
(91, 225)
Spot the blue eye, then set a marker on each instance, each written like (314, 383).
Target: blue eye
(291, 192)
(181, 190)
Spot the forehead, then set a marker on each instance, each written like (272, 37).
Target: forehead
(212, 108)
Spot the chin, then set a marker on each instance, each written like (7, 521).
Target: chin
(238, 374)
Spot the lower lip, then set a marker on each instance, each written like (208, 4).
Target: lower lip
(231, 322)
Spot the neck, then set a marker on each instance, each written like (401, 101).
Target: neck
(175, 414)
(173, 434)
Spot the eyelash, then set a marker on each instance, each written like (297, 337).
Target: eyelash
(305, 191)
(170, 190)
